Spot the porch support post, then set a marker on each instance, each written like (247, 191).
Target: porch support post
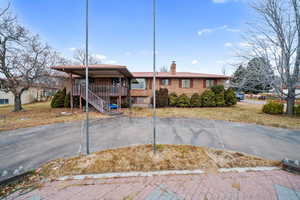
(129, 92)
(71, 92)
(80, 102)
(120, 87)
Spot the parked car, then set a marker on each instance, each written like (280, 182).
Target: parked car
(240, 96)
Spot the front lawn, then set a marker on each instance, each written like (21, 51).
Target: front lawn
(39, 114)
(242, 112)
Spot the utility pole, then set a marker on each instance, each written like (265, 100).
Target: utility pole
(154, 76)
(87, 76)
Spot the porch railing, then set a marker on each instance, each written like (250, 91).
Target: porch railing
(98, 103)
(103, 90)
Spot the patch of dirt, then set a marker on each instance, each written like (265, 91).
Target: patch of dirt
(141, 158)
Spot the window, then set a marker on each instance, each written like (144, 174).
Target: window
(141, 84)
(186, 83)
(165, 82)
(209, 83)
(3, 101)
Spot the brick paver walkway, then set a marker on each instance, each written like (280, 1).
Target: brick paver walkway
(265, 185)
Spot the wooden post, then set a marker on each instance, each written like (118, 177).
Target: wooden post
(120, 98)
(80, 102)
(80, 98)
(129, 93)
(71, 92)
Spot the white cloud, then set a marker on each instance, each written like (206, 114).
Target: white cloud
(205, 30)
(235, 30)
(219, 1)
(99, 56)
(128, 53)
(72, 49)
(211, 30)
(224, 1)
(244, 44)
(228, 44)
(111, 62)
(194, 62)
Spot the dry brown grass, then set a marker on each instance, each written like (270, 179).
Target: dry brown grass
(38, 114)
(242, 112)
(141, 158)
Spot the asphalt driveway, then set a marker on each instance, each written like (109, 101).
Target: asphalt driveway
(28, 148)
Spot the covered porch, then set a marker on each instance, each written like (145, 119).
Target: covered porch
(109, 85)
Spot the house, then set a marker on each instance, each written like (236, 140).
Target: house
(178, 82)
(37, 92)
(115, 84)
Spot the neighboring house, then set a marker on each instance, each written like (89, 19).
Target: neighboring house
(115, 84)
(37, 92)
(297, 89)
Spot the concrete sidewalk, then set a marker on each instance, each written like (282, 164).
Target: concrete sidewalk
(276, 184)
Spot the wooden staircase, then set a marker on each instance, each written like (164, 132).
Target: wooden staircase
(97, 102)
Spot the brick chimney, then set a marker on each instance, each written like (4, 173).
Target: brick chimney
(173, 67)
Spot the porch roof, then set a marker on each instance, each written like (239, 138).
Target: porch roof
(101, 70)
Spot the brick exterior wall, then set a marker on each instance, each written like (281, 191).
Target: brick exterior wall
(174, 86)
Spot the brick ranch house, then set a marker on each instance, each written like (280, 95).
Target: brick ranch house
(115, 84)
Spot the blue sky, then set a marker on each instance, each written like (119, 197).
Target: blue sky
(199, 34)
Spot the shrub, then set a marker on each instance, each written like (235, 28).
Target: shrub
(162, 97)
(220, 100)
(183, 101)
(230, 98)
(58, 100)
(218, 89)
(196, 100)
(76, 101)
(273, 108)
(297, 110)
(208, 98)
(173, 99)
(67, 103)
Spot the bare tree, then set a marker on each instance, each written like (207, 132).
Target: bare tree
(224, 70)
(24, 59)
(163, 69)
(79, 58)
(275, 37)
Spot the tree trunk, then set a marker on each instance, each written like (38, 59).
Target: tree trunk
(290, 102)
(18, 103)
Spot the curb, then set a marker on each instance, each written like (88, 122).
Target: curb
(15, 178)
(157, 173)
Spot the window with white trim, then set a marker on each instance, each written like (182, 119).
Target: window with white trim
(209, 83)
(140, 84)
(186, 83)
(165, 81)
